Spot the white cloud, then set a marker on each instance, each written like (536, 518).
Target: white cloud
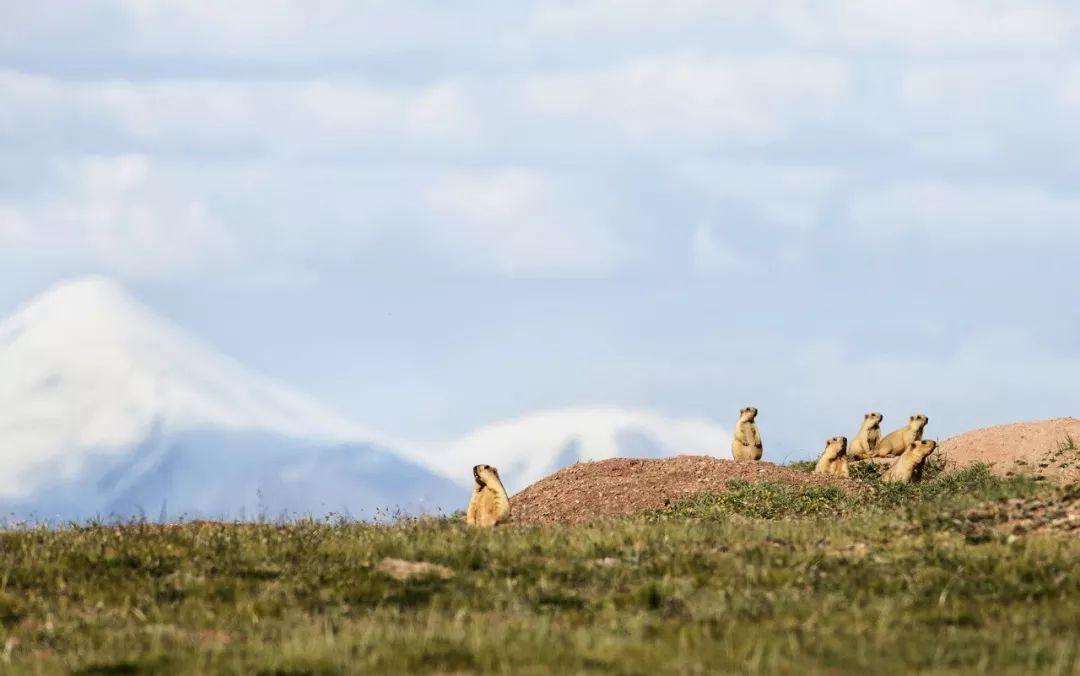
(709, 254)
(290, 31)
(965, 214)
(1069, 89)
(120, 213)
(270, 31)
(522, 223)
(320, 116)
(982, 91)
(143, 217)
(680, 100)
(787, 195)
(464, 147)
(906, 25)
(933, 25)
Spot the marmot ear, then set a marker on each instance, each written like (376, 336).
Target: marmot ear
(912, 417)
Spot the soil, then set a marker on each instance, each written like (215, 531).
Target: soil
(1040, 448)
(1058, 514)
(589, 491)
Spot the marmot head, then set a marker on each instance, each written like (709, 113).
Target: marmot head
(922, 448)
(836, 448)
(747, 414)
(918, 421)
(873, 419)
(482, 474)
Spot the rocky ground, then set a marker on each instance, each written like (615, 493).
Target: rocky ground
(1049, 449)
(1058, 513)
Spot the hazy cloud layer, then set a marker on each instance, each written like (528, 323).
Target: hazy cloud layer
(894, 181)
(535, 140)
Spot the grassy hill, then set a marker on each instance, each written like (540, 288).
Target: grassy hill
(764, 578)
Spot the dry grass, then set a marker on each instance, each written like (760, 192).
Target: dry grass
(767, 578)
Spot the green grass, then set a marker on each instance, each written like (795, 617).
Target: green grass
(764, 578)
(1067, 444)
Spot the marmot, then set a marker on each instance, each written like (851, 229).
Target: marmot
(489, 505)
(834, 459)
(747, 442)
(864, 443)
(908, 468)
(897, 441)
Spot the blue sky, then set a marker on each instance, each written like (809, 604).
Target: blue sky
(434, 217)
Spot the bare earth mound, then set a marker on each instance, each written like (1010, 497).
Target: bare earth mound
(589, 491)
(1036, 448)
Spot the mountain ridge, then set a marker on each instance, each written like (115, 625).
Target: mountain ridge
(96, 392)
(102, 402)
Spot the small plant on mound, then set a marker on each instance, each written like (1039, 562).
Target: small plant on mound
(866, 472)
(974, 483)
(803, 466)
(766, 500)
(778, 500)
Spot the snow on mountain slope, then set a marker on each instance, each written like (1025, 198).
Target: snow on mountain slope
(531, 447)
(97, 395)
(106, 409)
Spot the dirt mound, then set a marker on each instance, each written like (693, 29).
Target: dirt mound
(1059, 513)
(1040, 448)
(609, 488)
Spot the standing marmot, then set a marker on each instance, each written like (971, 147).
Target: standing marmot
(908, 468)
(897, 441)
(834, 459)
(489, 505)
(864, 443)
(747, 442)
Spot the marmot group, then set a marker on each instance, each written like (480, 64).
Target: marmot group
(490, 504)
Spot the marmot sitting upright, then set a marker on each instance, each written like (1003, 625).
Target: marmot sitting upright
(898, 441)
(834, 459)
(908, 468)
(864, 443)
(747, 442)
(489, 505)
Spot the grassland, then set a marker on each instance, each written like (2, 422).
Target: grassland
(764, 578)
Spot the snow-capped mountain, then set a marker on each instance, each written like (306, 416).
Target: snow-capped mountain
(106, 410)
(531, 447)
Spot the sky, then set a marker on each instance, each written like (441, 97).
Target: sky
(434, 217)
